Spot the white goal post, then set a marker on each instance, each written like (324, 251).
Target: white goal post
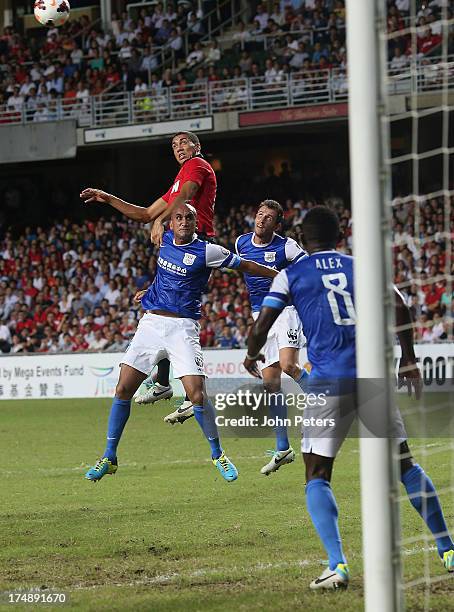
(403, 208)
(372, 296)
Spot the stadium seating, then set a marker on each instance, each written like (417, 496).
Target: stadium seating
(70, 288)
(53, 76)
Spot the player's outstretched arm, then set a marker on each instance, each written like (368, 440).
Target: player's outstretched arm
(187, 192)
(255, 269)
(257, 339)
(409, 375)
(132, 211)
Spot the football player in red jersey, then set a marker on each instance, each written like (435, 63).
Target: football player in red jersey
(196, 182)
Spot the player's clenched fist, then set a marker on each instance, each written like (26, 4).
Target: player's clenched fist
(157, 232)
(95, 195)
(139, 295)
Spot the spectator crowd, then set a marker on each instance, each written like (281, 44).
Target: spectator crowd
(423, 235)
(159, 48)
(70, 287)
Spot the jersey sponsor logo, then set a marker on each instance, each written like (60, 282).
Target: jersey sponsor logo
(270, 256)
(171, 267)
(189, 259)
(175, 186)
(292, 335)
(199, 362)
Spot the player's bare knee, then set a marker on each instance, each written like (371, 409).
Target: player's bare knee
(124, 391)
(319, 471)
(318, 467)
(196, 396)
(290, 368)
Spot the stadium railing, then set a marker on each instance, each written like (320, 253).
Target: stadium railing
(427, 76)
(245, 93)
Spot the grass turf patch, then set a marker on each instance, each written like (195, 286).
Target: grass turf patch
(166, 532)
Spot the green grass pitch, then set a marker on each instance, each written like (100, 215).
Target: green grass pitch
(166, 533)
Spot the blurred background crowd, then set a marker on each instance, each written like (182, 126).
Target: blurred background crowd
(70, 287)
(150, 49)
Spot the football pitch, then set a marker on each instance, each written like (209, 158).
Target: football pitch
(166, 532)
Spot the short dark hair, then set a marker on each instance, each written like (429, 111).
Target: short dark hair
(273, 205)
(190, 135)
(321, 224)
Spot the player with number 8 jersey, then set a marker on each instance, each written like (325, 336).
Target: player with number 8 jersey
(321, 286)
(322, 289)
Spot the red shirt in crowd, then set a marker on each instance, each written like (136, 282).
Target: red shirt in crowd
(427, 43)
(197, 170)
(39, 318)
(433, 296)
(206, 336)
(31, 291)
(21, 325)
(80, 346)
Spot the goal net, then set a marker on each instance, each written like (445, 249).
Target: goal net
(418, 124)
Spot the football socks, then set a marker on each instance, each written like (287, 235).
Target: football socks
(278, 410)
(322, 508)
(205, 417)
(119, 415)
(424, 499)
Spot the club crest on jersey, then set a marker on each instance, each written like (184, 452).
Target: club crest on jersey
(270, 256)
(189, 259)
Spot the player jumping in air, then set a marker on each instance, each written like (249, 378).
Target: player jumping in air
(195, 182)
(285, 338)
(169, 329)
(321, 288)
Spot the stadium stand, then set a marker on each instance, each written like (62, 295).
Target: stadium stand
(70, 287)
(153, 54)
(78, 279)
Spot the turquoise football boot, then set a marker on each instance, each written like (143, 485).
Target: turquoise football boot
(226, 468)
(103, 466)
(448, 560)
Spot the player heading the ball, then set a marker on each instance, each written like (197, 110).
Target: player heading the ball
(196, 183)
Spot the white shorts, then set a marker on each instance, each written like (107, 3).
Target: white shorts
(286, 332)
(325, 438)
(158, 337)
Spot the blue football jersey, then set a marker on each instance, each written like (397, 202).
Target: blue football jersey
(277, 254)
(320, 286)
(182, 274)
